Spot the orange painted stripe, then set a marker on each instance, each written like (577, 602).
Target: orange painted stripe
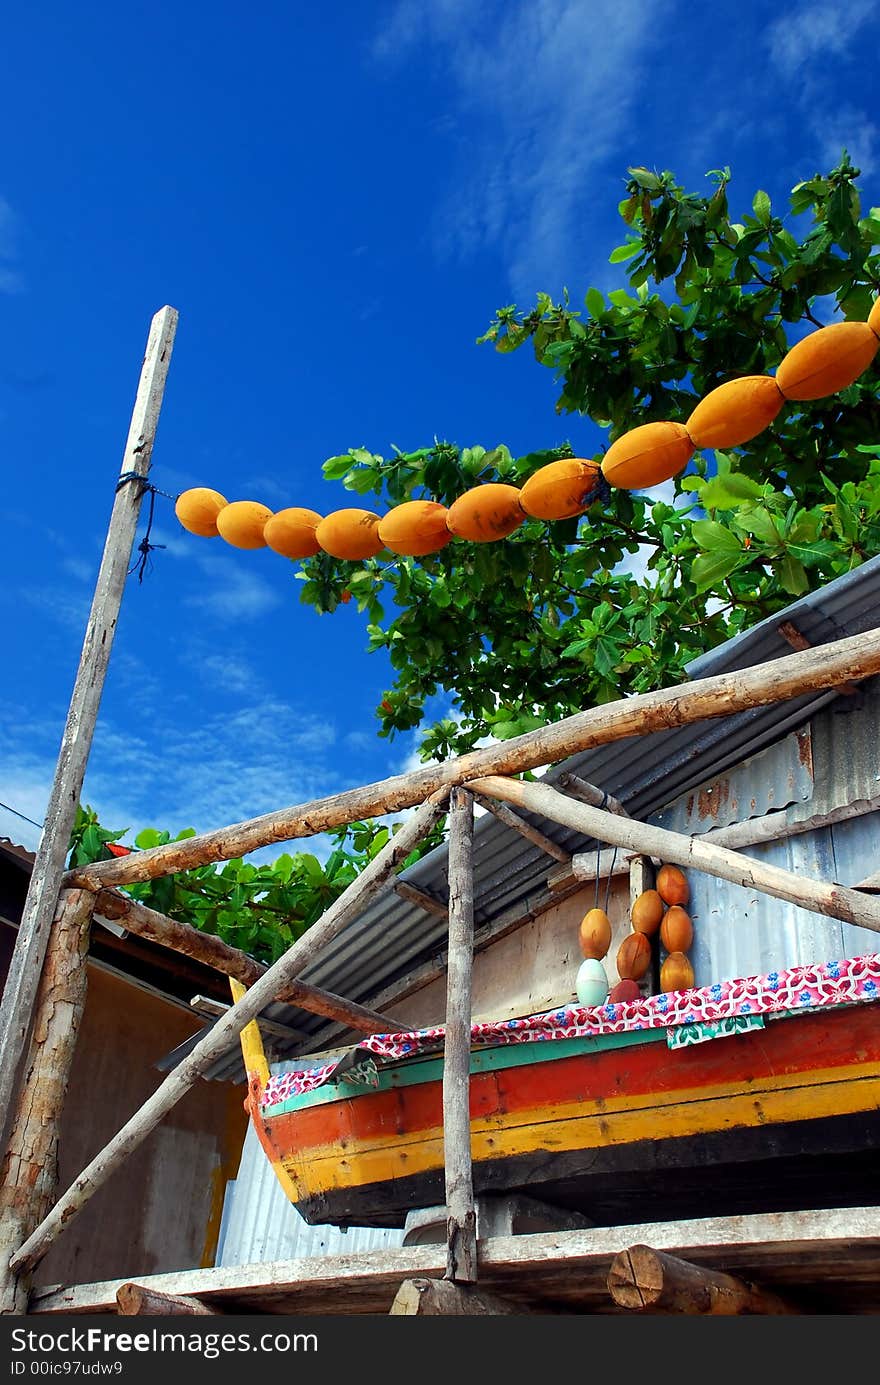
(639, 1075)
(323, 1169)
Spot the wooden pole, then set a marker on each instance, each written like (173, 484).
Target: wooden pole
(30, 1169)
(694, 853)
(589, 793)
(525, 829)
(213, 952)
(134, 1300)
(651, 1281)
(413, 895)
(461, 1223)
(39, 907)
(793, 675)
(223, 1035)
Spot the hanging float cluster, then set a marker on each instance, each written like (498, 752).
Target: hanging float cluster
(655, 913)
(823, 363)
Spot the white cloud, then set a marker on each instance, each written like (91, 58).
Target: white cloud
(822, 30)
(11, 280)
(538, 103)
(801, 42)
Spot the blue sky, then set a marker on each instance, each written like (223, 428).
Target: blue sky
(336, 199)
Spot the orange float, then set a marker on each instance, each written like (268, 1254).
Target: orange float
(242, 522)
(827, 360)
(874, 318)
(647, 912)
(351, 534)
(676, 973)
(735, 412)
(594, 934)
(291, 533)
(415, 528)
(677, 929)
(561, 489)
(197, 510)
(485, 513)
(633, 957)
(647, 455)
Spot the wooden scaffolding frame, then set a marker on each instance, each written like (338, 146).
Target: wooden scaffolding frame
(46, 991)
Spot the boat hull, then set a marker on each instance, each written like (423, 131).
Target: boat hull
(617, 1128)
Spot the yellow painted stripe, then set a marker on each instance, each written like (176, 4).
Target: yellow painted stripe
(251, 1040)
(616, 1123)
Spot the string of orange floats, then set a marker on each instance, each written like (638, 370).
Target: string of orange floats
(657, 912)
(821, 364)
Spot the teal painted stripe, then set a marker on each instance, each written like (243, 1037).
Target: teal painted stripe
(429, 1068)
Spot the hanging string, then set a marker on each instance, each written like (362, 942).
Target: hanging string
(599, 856)
(610, 878)
(143, 564)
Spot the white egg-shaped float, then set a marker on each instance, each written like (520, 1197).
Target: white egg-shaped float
(591, 983)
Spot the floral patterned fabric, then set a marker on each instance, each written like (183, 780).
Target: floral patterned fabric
(816, 986)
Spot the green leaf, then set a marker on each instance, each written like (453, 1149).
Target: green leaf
(761, 207)
(595, 303)
(792, 576)
(729, 491)
(712, 536)
(708, 569)
(625, 252)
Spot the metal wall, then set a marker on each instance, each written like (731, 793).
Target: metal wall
(260, 1224)
(833, 763)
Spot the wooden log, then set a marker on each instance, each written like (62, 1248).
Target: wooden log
(794, 675)
(525, 829)
(772, 827)
(205, 947)
(798, 640)
(461, 1224)
(413, 895)
(223, 1035)
(436, 1297)
(693, 853)
(30, 1169)
(17, 1002)
(134, 1300)
(206, 1005)
(651, 1281)
(588, 793)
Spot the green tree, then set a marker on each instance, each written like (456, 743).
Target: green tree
(565, 615)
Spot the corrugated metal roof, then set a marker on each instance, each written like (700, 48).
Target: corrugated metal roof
(392, 935)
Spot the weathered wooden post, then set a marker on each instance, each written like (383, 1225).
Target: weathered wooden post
(461, 1224)
(30, 1170)
(17, 1004)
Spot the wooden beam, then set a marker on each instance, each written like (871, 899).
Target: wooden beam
(589, 793)
(793, 636)
(375, 877)
(794, 675)
(525, 829)
(31, 940)
(435, 1297)
(134, 1300)
(461, 1224)
(205, 1005)
(30, 1169)
(832, 1253)
(413, 895)
(213, 952)
(644, 1280)
(695, 853)
(772, 827)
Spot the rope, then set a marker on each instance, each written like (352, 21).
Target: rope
(143, 564)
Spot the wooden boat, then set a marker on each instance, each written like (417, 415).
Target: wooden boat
(619, 1127)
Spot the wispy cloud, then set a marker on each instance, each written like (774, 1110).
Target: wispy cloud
(11, 280)
(801, 42)
(541, 93)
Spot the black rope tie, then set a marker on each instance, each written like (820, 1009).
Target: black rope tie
(144, 548)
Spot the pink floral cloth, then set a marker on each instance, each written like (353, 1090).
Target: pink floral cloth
(817, 986)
